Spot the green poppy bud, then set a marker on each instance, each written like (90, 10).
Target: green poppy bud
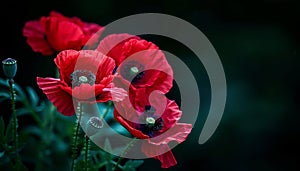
(9, 67)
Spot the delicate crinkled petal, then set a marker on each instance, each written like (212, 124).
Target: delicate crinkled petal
(66, 61)
(57, 32)
(92, 33)
(171, 114)
(85, 92)
(168, 110)
(95, 62)
(70, 60)
(117, 94)
(91, 28)
(138, 98)
(163, 83)
(59, 16)
(35, 35)
(129, 127)
(62, 100)
(105, 67)
(162, 152)
(112, 46)
(62, 35)
(136, 45)
(156, 67)
(178, 133)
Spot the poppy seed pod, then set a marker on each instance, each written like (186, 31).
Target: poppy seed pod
(9, 67)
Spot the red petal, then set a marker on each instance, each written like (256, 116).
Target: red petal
(158, 72)
(35, 37)
(112, 45)
(178, 133)
(91, 28)
(61, 34)
(166, 109)
(132, 130)
(106, 66)
(87, 92)
(162, 153)
(58, 15)
(61, 17)
(117, 94)
(136, 45)
(70, 60)
(138, 98)
(171, 114)
(60, 99)
(66, 61)
(94, 61)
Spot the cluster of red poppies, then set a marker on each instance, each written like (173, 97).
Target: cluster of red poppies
(123, 68)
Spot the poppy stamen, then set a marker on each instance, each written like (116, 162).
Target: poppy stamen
(79, 77)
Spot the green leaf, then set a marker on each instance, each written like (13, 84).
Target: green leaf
(3, 82)
(9, 132)
(19, 166)
(32, 130)
(2, 127)
(22, 111)
(130, 165)
(34, 99)
(5, 95)
(4, 160)
(2, 99)
(20, 93)
(2, 154)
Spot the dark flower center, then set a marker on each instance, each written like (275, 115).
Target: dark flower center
(79, 77)
(152, 124)
(132, 71)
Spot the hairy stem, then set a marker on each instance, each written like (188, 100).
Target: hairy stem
(14, 115)
(130, 144)
(75, 137)
(107, 110)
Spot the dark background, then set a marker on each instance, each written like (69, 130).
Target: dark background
(258, 44)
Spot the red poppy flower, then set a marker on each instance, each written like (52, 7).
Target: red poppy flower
(157, 123)
(85, 76)
(56, 33)
(141, 66)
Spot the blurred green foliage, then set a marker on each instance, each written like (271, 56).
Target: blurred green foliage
(45, 141)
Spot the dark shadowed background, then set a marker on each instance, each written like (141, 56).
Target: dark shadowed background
(258, 44)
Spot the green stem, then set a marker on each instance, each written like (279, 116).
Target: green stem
(14, 115)
(77, 126)
(107, 109)
(125, 151)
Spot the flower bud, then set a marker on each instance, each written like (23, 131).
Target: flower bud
(9, 67)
